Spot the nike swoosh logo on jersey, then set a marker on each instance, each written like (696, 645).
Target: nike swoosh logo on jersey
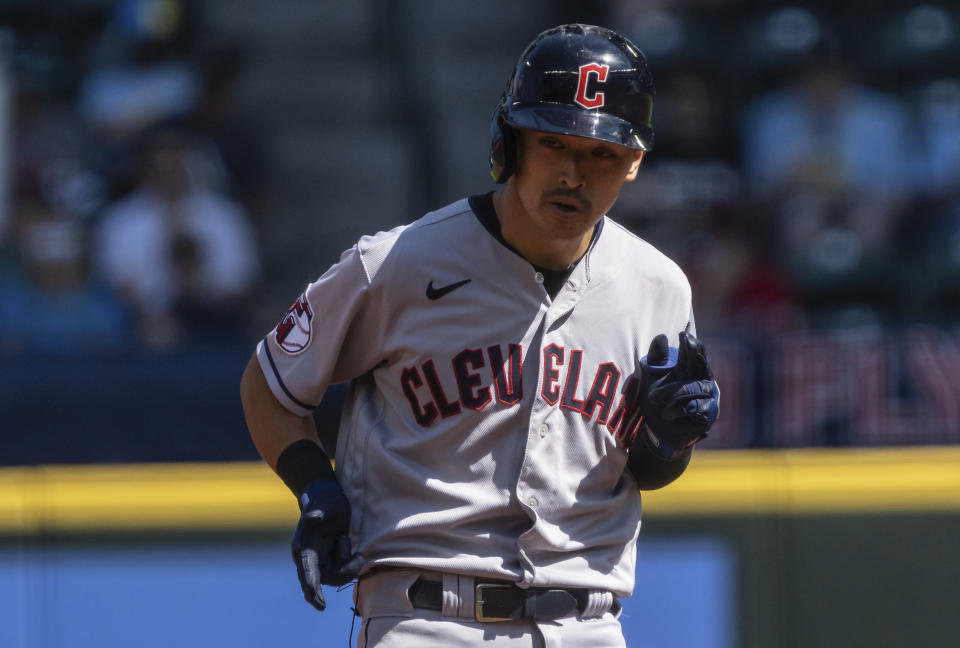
(437, 293)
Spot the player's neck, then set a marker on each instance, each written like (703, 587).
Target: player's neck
(519, 230)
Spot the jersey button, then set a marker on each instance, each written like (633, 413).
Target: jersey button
(543, 430)
(532, 502)
(538, 277)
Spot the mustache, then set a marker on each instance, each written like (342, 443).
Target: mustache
(573, 194)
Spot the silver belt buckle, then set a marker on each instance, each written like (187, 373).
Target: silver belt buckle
(478, 591)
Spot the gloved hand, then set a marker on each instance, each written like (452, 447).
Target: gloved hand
(676, 399)
(321, 546)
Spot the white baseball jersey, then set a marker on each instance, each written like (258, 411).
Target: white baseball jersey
(478, 434)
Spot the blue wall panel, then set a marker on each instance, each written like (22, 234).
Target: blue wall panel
(158, 596)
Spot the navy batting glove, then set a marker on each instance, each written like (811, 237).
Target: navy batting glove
(321, 546)
(677, 400)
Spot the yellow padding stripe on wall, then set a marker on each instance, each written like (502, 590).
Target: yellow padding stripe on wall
(814, 481)
(242, 496)
(191, 496)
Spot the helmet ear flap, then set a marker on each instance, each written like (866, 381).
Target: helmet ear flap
(503, 151)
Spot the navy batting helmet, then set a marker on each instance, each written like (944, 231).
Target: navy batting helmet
(575, 80)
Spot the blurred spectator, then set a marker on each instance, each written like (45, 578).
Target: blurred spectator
(149, 80)
(41, 50)
(833, 163)
(230, 136)
(183, 255)
(688, 201)
(938, 106)
(825, 131)
(692, 174)
(6, 101)
(939, 114)
(52, 153)
(48, 302)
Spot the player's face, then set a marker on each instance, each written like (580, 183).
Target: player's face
(566, 183)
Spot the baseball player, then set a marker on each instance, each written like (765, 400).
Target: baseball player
(520, 367)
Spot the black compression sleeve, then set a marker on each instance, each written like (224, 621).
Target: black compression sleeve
(650, 470)
(302, 462)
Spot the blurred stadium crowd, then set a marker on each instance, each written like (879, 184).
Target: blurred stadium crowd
(806, 172)
(134, 184)
(814, 152)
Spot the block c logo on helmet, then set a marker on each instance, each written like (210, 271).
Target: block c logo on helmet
(595, 100)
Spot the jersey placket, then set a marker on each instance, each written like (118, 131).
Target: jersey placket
(541, 474)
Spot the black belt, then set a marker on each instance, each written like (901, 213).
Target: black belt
(504, 601)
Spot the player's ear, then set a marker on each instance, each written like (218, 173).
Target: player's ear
(634, 165)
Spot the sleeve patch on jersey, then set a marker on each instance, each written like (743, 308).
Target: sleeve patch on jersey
(293, 333)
